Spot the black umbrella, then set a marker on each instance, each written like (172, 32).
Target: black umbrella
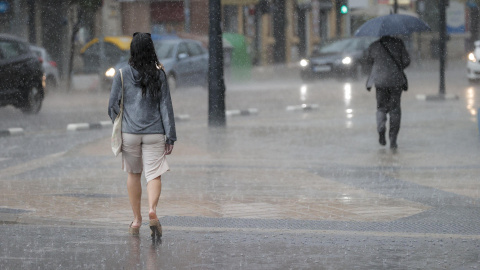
(392, 25)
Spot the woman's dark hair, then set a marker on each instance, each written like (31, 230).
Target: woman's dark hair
(144, 59)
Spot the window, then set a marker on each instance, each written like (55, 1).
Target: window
(164, 49)
(194, 49)
(10, 49)
(182, 48)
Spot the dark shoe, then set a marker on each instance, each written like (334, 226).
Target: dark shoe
(155, 226)
(393, 143)
(381, 138)
(133, 230)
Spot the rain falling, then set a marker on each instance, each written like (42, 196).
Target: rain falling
(275, 134)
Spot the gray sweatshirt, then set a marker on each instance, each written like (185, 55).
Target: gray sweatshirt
(142, 115)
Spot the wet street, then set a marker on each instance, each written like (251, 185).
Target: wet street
(299, 182)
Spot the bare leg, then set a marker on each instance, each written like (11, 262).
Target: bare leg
(154, 188)
(134, 187)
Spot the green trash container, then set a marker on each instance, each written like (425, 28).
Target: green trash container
(240, 61)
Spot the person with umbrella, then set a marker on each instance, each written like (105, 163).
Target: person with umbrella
(388, 58)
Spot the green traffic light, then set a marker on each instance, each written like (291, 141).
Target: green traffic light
(343, 9)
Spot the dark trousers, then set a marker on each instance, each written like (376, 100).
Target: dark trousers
(388, 102)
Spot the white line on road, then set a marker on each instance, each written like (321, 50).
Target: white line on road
(106, 123)
(182, 117)
(78, 126)
(249, 111)
(12, 132)
(437, 97)
(303, 107)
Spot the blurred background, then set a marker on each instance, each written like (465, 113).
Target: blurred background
(266, 31)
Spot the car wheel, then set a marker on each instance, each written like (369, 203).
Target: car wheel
(172, 82)
(33, 100)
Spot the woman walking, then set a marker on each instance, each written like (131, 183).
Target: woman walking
(148, 126)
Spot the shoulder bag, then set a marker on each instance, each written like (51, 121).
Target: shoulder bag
(117, 127)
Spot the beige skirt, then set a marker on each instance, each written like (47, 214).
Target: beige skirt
(144, 152)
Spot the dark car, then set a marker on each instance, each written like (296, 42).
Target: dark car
(49, 66)
(344, 58)
(185, 62)
(22, 80)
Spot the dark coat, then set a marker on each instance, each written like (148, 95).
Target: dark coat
(385, 73)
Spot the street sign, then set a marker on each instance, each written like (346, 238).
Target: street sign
(4, 7)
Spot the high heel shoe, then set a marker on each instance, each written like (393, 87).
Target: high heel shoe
(155, 226)
(133, 230)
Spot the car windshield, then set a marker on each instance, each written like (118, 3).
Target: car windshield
(164, 49)
(344, 45)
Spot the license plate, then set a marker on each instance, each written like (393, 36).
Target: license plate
(322, 68)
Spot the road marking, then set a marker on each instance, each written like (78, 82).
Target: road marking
(30, 165)
(12, 132)
(78, 126)
(249, 111)
(182, 117)
(327, 232)
(303, 107)
(105, 124)
(437, 97)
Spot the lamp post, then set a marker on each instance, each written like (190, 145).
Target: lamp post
(442, 44)
(216, 83)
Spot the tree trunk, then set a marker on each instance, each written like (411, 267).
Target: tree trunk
(55, 31)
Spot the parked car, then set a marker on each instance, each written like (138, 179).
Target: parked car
(185, 62)
(115, 47)
(49, 66)
(22, 80)
(340, 58)
(473, 63)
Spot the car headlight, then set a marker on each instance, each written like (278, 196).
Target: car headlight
(347, 60)
(110, 72)
(471, 57)
(304, 62)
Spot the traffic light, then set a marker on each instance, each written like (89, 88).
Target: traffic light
(342, 7)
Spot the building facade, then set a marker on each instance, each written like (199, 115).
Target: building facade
(277, 31)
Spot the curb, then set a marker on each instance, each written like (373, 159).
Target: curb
(103, 124)
(88, 126)
(11, 132)
(303, 107)
(182, 117)
(437, 97)
(249, 111)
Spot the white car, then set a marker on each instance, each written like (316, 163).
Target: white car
(49, 66)
(473, 63)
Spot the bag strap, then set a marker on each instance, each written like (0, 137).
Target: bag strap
(391, 55)
(121, 101)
